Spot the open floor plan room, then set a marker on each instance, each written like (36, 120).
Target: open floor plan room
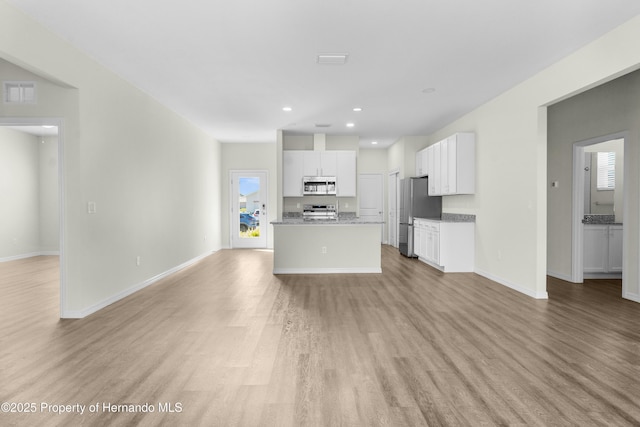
(224, 342)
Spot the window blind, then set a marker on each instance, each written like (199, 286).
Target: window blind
(606, 170)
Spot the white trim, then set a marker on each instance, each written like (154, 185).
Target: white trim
(630, 296)
(50, 253)
(78, 314)
(347, 270)
(577, 213)
(561, 276)
(28, 255)
(603, 275)
(528, 292)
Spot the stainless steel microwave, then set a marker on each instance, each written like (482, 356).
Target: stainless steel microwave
(319, 185)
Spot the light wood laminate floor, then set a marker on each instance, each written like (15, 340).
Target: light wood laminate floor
(231, 344)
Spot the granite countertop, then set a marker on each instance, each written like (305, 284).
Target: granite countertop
(600, 220)
(347, 218)
(453, 217)
(340, 221)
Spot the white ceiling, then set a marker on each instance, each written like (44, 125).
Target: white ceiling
(231, 65)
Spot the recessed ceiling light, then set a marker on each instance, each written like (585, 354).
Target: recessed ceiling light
(332, 58)
(374, 142)
(350, 125)
(287, 109)
(357, 109)
(428, 90)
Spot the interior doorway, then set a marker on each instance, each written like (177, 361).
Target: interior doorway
(248, 209)
(599, 208)
(35, 204)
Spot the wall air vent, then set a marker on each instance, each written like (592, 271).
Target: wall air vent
(19, 92)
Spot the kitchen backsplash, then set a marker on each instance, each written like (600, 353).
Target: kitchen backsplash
(295, 204)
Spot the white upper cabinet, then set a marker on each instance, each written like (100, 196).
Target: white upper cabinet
(451, 165)
(320, 163)
(328, 163)
(433, 169)
(300, 163)
(345, 174)
(292, 173)
(311, 163)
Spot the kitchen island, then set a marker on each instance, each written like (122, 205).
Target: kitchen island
(344, 245)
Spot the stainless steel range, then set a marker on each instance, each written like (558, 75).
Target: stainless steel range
(319, 212)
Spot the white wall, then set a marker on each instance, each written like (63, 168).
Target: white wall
(604, 110)
(49, 218)
(19, 193)
(154, 176)
(244, 156)
(510, 203)
(402, 155)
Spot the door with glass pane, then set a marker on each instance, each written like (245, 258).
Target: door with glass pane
(249, 209)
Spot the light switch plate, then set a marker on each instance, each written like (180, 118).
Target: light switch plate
(91, 207)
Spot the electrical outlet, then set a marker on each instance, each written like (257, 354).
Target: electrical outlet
(138, 260)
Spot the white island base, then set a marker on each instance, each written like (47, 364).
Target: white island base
(325, 248)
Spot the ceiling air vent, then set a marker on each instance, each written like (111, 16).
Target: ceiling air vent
(19, 92)
(323, 125)
(332, 58)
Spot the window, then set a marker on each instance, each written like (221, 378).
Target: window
(606, 170)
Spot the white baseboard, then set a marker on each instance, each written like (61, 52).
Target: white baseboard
(366, 270)
(632, 297)
(561, 276)
(79, 314)
(602, 275)
(29, 255)
(528, 292)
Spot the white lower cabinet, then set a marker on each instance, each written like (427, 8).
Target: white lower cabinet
(448, 246)
(602, 248)
(615, 249)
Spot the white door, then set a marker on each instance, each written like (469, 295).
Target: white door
(371, 196)
(248, 209)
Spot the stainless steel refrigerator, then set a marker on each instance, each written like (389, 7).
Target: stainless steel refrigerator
(415, 202)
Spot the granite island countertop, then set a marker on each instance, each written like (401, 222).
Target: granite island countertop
(340, 221)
